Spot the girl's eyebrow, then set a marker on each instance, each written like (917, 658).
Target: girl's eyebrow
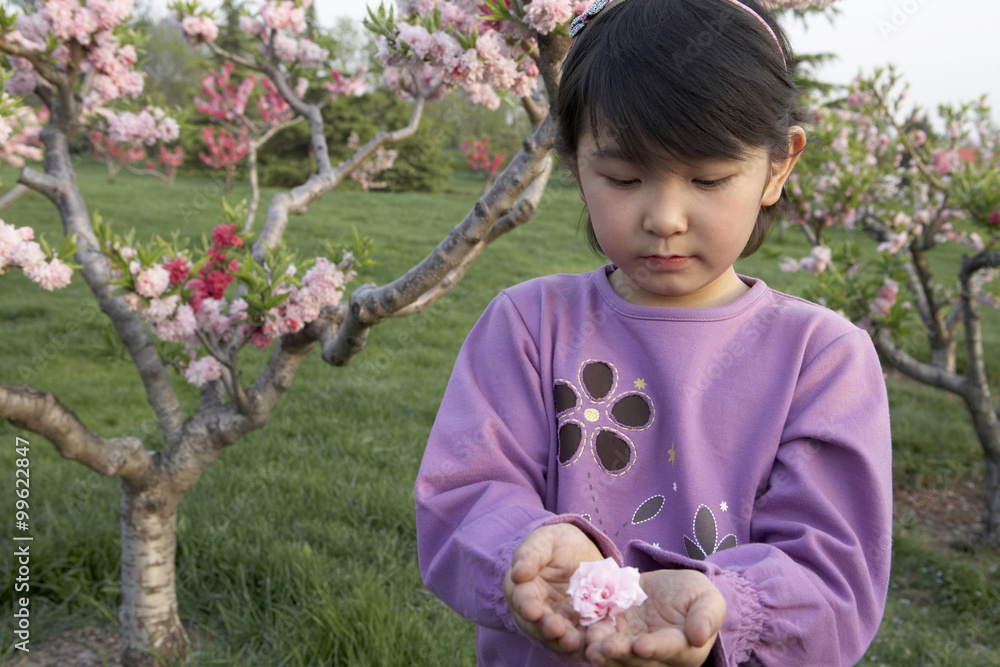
(609, 153)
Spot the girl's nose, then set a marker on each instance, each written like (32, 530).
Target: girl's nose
(666, 213)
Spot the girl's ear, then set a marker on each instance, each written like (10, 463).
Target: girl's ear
(780, 171)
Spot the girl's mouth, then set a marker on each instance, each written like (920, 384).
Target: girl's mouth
(666, 262)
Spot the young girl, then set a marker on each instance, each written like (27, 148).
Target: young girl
(729, 441)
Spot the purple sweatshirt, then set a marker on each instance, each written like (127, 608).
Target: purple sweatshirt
(749, 441)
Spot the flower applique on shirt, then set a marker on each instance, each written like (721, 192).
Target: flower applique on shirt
(591, 415)
(706, 532)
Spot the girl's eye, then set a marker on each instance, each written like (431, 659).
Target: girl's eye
(621, 183)
(709, 185)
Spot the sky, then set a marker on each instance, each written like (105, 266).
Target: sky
(946, 49)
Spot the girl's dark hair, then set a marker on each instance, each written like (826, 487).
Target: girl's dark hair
(674, 81)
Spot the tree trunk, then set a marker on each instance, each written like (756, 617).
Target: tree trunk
(151, 630)
(943, 353)
(991, 503)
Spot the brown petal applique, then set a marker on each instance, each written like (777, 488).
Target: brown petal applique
(599, 379)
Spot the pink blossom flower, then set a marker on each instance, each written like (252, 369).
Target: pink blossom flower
(253, 26)
(211, 318)
(789, 265)
(49, 275)
(32, 30)
(202, 371)
(311, 54)
(22, 83)
(152, 282)
(224, 235)
(994, 218)
(238, 309)
(182, 327)
(285, 48)
(601, 589)
(895, 243)
(27, 255)
(818, 261)
(161, 309)
(325, 282)
(886, 298)
(261, 340)
(179, 269)
(545, 15)
(200, 28)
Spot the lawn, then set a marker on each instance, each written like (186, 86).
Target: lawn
(297, 547)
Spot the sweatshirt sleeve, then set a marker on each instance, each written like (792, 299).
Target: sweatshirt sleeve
(482, 482)
(810, 585)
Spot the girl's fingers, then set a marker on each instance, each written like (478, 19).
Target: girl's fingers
(662, 645)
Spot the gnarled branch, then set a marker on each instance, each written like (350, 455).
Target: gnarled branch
(370, 305)
(916, 369)
(42, 413)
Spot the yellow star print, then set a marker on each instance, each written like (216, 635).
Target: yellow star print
(640, 384)
(672, 453)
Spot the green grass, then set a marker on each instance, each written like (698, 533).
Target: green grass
(297, 547)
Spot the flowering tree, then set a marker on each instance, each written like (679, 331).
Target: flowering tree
(212, 301)
(243, 133)
(477, 157)
(877, 171)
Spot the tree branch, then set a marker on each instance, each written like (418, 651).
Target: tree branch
(297, 199)
(370, 305)
(42, 413)
(916, 369)
(976, 362)
(15, 193)
(59, 185)
(232, 57)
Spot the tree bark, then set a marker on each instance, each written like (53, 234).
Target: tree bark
(15, 193)
(978, 397)
(151, 630)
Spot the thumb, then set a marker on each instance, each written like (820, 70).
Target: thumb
(530, 557)
(705, 617)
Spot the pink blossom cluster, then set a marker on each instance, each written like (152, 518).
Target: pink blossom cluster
(544, 16)
(477, 156)
(419, 61)
(202, 371)
(226, 151)
(886, 299)
(149, 126)
(222, 99)
(186, 306)
(170, 160)
(89, 24)
(345, 85)
(18, 250)
(272, 107)
(285, 15)
(818, 261)
(199, 28)
(380, 162)
(599, 590)
(22, 142)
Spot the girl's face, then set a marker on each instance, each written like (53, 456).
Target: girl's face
(675, 235)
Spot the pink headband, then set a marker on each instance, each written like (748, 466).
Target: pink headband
(581, 22)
